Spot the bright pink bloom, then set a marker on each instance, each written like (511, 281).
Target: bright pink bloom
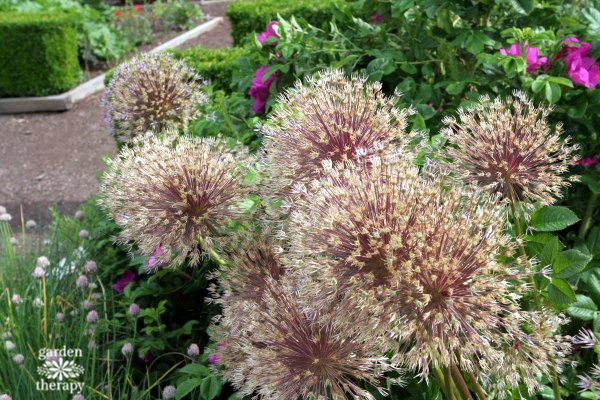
(259, 90)
(123, 281)
(377, 18)
(589, 161)
(270, 32)
(532, 56)
(582, 70)
(157, 259)
(138, 7)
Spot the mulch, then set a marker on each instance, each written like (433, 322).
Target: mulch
(54, 159)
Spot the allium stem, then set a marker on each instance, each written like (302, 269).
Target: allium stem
(480, 393)
(213, 254)
(536, 295)
(517, 220)
(448, 383)
(587, 217)
(440, 377)
(460, 382)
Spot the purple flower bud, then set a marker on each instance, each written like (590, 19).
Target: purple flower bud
(193, 350)
(134, 310)
(92, 317)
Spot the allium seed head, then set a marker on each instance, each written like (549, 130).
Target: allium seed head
(420, 254)
(19, 359)
(127, 349)
(82, 282)
(193, 350)
(174, 195)
(42, 262)
(84, 234)
(510, 148)
(90, 267)
(134, 310)
(5, 397)
(79, 215)
(38, 303)
(8, 345)
(288, 351)
(60, 317)
(38, 272)
(31, 224)
(333, 118)
(92, 317)
(169, 392)
(151, 93)
(16, 299)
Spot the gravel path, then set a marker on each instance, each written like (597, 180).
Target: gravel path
(53, 159)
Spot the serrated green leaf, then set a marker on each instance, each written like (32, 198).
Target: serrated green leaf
(569, 263)
(210, 388)
(560, 292)
(584, 308)
(550, 251)
(552, 218)
(185, 387)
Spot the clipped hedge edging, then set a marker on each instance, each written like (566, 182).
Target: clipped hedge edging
(252, 16)
(215, 65)
(38, 54)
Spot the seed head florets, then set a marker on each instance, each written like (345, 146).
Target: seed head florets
(331, 117)
(174, 194)
(421, 254)
(151, 93)
(510, 148)
(290, 351)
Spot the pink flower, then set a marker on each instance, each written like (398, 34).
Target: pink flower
(582, 70)
(532, 56)
(589, 161)
(259, 90)
(123, 281)
(157, 259)
(377, 18)
(270, 32)
(214, 359)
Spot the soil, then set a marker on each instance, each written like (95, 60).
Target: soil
(53, 159)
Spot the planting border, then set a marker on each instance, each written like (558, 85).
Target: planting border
(65, 101)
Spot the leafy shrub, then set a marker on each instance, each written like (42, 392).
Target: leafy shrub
(249, 16)
(39, 54)
(215, 65)
(177, 14)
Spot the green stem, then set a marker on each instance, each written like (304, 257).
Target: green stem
(460, 382)
(448, 384)
(587, 217)
(478, 389)
(536, 295)
(213, 254)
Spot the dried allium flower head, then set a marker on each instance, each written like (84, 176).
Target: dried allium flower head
(510, 148)
(590, 383)
(334, 118)
(151, 93)
(288, 351)
(527, 357)
(174, 193)
(254, 261)
(422, 255)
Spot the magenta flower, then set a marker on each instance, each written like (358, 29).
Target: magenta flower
(377, 18)
(214, 359)
(589, 161)
(582, 70)
(532, 56)
(157, 259)
(259, 90)
(270, 32)
(123, 281)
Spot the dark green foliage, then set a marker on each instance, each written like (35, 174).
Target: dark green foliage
(214, 65)
(39, 54)
(252, 16)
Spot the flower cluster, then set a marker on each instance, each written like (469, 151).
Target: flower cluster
(151, 93)
(174, 193)
(509, 147)
(582, 69)
(532, 56)
(260, 89)
(269, 33)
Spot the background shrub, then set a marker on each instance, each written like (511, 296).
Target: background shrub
(39, 54)
(248, 17)
(215, 65)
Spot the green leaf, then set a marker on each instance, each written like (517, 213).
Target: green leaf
(522, 6)
(195, 369)
(539, 83)
(408, 68)
(560, 292)
(592, 180)
(399, 6)
(550, 251)
(552, 218)
(419, 123)
(569, 263)
(210, 387)
(552, 92)
(584, 308)
(186, 387)
(455, 88)
(593, 241)
(561, 81)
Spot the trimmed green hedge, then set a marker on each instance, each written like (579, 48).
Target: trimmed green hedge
(253, 16)
(38, 54)
(215, 65)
